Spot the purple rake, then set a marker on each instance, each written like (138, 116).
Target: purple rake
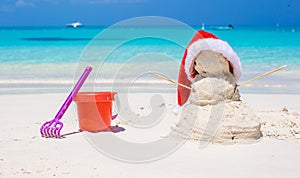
(52, 128)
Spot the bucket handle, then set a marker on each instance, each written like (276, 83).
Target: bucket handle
(116, 107)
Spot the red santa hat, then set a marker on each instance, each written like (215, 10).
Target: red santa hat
(203, 41)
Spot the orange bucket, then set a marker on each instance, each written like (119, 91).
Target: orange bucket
(94, 110)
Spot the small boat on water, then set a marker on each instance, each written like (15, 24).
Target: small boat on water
(229, 27)
(74, 24)
(203, 26)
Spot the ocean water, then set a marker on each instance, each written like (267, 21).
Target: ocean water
(50, 59)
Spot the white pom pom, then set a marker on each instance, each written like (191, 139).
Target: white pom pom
(176, 109)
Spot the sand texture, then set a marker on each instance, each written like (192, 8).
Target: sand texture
(226, 122)
(24, 153)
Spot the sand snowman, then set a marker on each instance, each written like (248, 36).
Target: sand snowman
(212, 110)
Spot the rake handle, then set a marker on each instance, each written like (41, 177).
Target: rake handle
(73, 93)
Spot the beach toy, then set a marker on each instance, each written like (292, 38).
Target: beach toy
(95, 110)
(52, 128)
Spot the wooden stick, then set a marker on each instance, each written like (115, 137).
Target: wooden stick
(238, 85)
(262, 75)
(170, 80)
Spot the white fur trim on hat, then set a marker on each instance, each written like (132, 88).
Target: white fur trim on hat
(216, 45)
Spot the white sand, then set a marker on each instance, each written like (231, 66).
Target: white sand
(23, 153)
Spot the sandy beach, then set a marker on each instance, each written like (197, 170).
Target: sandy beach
(24, 153)
(235, 119)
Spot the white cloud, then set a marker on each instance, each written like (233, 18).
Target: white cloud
(12, 5)
(23, 3)
(108, 1)
(53, 2)
(34, 3)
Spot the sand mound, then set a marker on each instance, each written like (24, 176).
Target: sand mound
(214, 115)
(280, 124)
(227, 122)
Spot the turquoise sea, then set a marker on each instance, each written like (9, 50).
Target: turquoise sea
(50, 59)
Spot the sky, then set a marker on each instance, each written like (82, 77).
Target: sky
(108, 12)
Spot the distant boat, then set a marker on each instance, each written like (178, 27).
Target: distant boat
(74, 24)
(229, 27)
(203, 26)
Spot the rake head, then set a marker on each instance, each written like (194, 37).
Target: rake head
(51, 129)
